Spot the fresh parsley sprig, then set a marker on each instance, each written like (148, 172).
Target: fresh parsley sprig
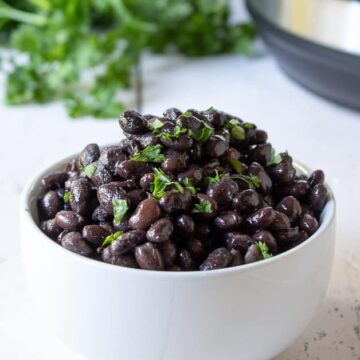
(213, 179)
(264, 249)
(203, 207)
(151, 153)
(161, 183)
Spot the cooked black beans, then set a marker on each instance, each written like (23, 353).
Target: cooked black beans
(200, 190)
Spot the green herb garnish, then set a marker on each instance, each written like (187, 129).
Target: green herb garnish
(252, 181)
(213, 180)
(178, 130)
(188, 185)
(248, 126)
(156, 125)
(237, 165)
(66, 196)
(187, 113)
(236, 129)
(202, 207)
(203, 133)
(263, 249)
(151, 153)
(109, 239)
(161, 182)
(275, 158)
(120, 207)
(89, 170)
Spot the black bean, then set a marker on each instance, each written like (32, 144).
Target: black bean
(160, 231)
(261, 154)
(218, 259)
(182, 143)
(143, 141)
(184, 224)
(210, 166)
(316, 177)
(246, 201)
(308, 223)
(74, 242)
(175, 202)
(54, 180)
(256, 169)
(257, 136)
(318, 196)
(90, 154)
(100, 214)
(130, 146)
(261, 219)
(149, 257)
(228, 220)
(223, 191)
(216, 118)
(127, 242)
(290, 206)
(238, 241)
(266, 237)
(287, 235)
(94, 234)
(123, 224)
(111, 157)
(306, 209)
(196, 152)
(129, 184)
(298, 189)
(147, 212)
(253, 254)
(107, 226)
(193, 172)
(224, 133)
(80, 196)
(189, 122)
(109, 192)
(237, 258)
(172, 113)
(101, 175)
(132, 122)
(215, 147)
(126, 260)
(301, 238)
(284, 172)
(196, 248)
(202, 230)
(186, 260)
(133, 169)
(146, 180)
(175, 161)
(50, 204)
(168, 251)
(281, 221)
(232, 154)
(135, 196)
(50, 228)
(69, 220)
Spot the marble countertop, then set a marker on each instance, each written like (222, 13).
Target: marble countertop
(319, 133)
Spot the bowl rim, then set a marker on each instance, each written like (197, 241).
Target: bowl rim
(31, 191)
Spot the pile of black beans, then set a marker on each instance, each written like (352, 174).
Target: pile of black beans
(198, 190)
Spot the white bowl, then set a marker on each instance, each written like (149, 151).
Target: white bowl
(109, 312)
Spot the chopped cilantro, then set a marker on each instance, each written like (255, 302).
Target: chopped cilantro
(275, 158)
(213, 180)
(120, 207)
(109, 239)
(263, 249)
(89, 170)
(66, 196)
(237, 165)
(202, 207)
(151, 153)
(188, 185)
(161, 182)
(156, 125)
(203, 133)
(252, 181)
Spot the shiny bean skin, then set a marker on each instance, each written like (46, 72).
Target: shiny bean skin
(182, 143)
(196, 248)
(280, 222)
(246, 201)
(261, 219)
(175, 161)
(69, 220)
(146, 180)
(100, 214)
(80, 196)
(287, 235)
(218, 259)
(196, 152)
(216, 118)
(133, 169)
(143, 141)
(238, 241)
(129, 184)
(168, 251)
(318, 196)
(253, 254)
(108, 227)
(308, 223)
(90, 154)
(135, 196)
(210, 166)
(193, 172)
(174, 202)
(223, 191)
(112, 156)
(316, 177)
(298, 189)
(261, 154)
(127, 242)
(50, 204)
(126, 260)
(160, 231)
(94, 234)
(50, 228)
(184, 225)
(267, 238)
(257, 136)
(74, 242)
(224, 133)
(186, 260)
(290, 206)
(146, 213)
(284, 172)
(256, 169)
(132, 122)
(189, 122)
(123, 224)
(172, 113)
(129, 146)
(237, 258)
(109, 192)
(216, 146)
(149, 257)
(101, 175)
(54, 180)
(228, 220)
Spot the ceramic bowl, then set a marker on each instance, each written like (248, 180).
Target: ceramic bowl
(109, 312)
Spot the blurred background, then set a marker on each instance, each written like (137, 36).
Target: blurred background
(69, 68)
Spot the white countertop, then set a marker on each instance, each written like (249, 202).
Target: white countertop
(319, 133)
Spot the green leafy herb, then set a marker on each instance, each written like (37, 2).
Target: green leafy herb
(178, 130)
(89, 170)
(213, 180)
(248, 126)
(210, 109)
(264, 249)
(161, 182)
(203, 133)
(202, 207)
(187, 113)
(237, 165)
(151, 153)
(275, 158)
(156, 125)
(120, 207)
(236, 129)
(66, 196)
(105, 39)
(188, 185)
(109, 239)
(252, 181)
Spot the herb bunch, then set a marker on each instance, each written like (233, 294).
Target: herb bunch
(65, 40)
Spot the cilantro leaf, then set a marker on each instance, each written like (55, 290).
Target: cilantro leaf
(263, 249)
(151, 153)
(66, 196)
(188, 185)
(275, 158)
(202, 207)
(237, 165)
(236, 129)
(178, 130)
(156, 125)
(161, 182)
(203, 133)
(252, 181)
(213, 180)
(89, 170)
(109, 239)
(120, 207)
